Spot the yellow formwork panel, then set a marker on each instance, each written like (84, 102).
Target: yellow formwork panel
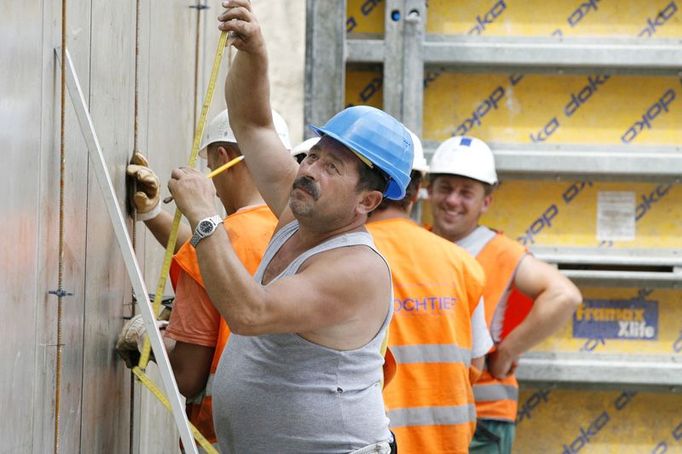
(572, 421)
(564, 214)
(555, 213)
(595, 422)
(624, 18)
(541, 108)
(592, 18)
(364, 87)
(554, 109)
(365, 16)
(544, 213)
(622, 321)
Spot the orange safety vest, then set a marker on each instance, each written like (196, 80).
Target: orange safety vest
(437, 286)
(500, 257)
(249, 231)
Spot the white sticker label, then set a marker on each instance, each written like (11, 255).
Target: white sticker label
(615, 216)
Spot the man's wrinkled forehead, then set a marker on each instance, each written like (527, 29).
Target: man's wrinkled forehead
(336, 150)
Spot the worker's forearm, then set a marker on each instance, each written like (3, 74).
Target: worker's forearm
(247, 92)
(160, 227)
(551, 310)
(229, 285)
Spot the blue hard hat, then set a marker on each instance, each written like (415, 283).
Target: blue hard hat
(378, 137)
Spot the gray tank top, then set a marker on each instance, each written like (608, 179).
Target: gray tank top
(282, 393)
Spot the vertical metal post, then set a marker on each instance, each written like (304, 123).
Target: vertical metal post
(404, 62)
(325, 75)
(128, 253)
(393, 57)
(412, 96)
(413, 65)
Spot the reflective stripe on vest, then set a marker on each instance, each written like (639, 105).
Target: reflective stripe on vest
(430, 416)
(431, 353)
(499, 256)
(489, 393)
(476, 240)
(430, 401)
(474, 244)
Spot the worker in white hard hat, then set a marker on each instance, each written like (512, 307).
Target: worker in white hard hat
(526, 300)
(196, 334)
(438, 328)
(303, 367)
(300, 151)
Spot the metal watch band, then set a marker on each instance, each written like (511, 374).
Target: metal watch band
(205, 228)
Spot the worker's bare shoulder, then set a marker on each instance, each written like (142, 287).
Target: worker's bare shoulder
(534, 276)
(352, 269)
(354, 286)
(531, 268)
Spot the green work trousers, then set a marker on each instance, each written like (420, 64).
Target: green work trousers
(493, 437)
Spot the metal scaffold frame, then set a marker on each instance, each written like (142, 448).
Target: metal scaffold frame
(405, 51)
(641, 372)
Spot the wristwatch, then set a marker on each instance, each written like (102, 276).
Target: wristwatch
(205, 228)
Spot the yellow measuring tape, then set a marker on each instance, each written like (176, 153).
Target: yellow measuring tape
(170, 247)
(151, 386)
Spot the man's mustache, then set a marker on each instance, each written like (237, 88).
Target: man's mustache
(308, 186)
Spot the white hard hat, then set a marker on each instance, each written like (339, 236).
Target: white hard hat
(218, 130)
(466, 156)
(305, 146)
(419, 161)
(282, 129)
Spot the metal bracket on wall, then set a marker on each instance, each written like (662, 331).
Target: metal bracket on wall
(584, 162)
(621, 55)
(616, 267)
(582, 54)
(199, 6)
(600, 370)
(130, 260)
(60, 292)
(604, 163)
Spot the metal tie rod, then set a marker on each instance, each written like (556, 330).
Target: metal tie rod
(126, 246)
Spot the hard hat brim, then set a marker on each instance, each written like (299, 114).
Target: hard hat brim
(393, 190)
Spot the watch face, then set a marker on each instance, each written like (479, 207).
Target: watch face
(205, 226)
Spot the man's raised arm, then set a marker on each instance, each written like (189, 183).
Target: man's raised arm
(555, 298)
(247, 94)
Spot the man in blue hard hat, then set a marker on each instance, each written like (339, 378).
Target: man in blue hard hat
(302, 370)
